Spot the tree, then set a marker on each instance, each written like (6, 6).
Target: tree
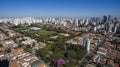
(33, 45)
(41, 52)
(71, 54)
(1, 45)
(20, 45)
(50, 47)
(57, 49)
(7, 50)
(117, 60)
(72, 63)
(57, 56)
(28, 48)
(99, 65)
(79, 51)
(114, 42)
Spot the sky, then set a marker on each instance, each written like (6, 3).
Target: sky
(59, 8)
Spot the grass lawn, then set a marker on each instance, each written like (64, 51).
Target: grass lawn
(20, 29)
(41, 34)
(45, 32)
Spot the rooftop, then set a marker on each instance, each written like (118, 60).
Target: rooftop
(111, 62)
(107, 43)
(102, 50)
(116, 65)
(43, 65)
(14, 64)
(94, 57)
(18, 51)
(103, 60)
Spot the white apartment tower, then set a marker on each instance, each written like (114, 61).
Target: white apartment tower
(86, 43)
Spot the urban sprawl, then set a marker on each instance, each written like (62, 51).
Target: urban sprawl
(60, 42)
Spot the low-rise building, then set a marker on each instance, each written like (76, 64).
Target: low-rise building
(28, 61)
(103, 60)
(28, 41)
(95, 58)
(110, 62)
(101, 51)
(17, 53)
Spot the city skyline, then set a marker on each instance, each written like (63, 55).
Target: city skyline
(59, 8)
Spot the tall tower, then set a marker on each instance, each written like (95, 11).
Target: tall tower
(114, 29)
(95, 28)
(104, 19)
(86, 43)
(110, 28)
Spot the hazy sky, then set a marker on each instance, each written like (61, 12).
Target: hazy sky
(59, 8)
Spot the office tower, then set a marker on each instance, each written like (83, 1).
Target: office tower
(110, 18)
(104, 19)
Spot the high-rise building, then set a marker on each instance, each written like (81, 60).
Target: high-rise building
(86, 22)
(86, 43)
(110, 28)
(104, 19)
(114, 29)
(110, 18)
(95, 28)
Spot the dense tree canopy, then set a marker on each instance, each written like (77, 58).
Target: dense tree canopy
(73, 54)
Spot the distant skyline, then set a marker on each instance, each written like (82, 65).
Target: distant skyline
(59, 8)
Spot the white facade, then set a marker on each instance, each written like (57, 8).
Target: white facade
(86, 43)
